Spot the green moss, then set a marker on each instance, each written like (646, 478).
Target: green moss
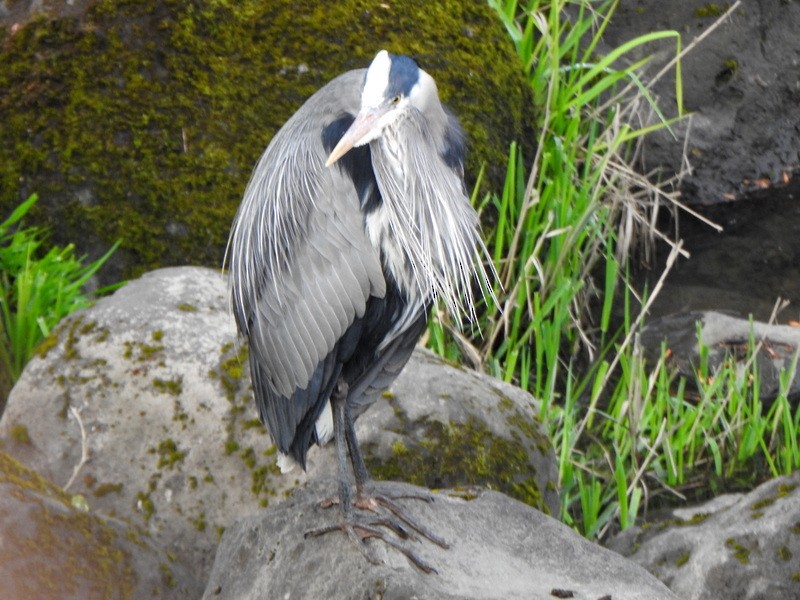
(260, 477)
(248, 455)
(783, 490)
(19, 433)
(254, 424)
(87, 328)
(467, 494)
(399, 448)
(527, 429)
(107, 488)
(179, 415)
(85, 549)
(740, 552)
(796, 528)
(140, 352)
(48, 343)
(73, 334)
(166, 575)
(233, 366)
(187, 308)
(233, 360)
(134, 536)
(200, 522)
(682, 559)
(460, 455)
(710, 10)
(79, 502)
(169, 455)
(157, 335)
(784, 553)
(696, 519)
(143, 120)
(505, 405)
(231, 446)
(795, 576)
(149, 350)
(145, 504)
(174, 387)
(731, 64)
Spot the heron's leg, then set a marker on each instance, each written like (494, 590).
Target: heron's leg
(356, 458)
(359, 528)
(368, 497)
(363, 479)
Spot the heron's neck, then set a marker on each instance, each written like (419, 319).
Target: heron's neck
(386, 227)
(424, 226)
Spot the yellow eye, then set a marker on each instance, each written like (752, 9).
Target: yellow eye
(396, 100)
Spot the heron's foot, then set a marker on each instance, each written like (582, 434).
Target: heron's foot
(359, 528)
(369, 498)
(377, 515)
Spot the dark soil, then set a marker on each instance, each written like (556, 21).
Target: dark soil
(745, 268)
(741, 84)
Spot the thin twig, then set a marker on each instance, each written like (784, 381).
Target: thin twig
(84, 447)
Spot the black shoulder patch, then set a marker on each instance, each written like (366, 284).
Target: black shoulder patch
(357, 163)
(454, 151)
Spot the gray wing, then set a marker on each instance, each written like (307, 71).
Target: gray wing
(301, 265)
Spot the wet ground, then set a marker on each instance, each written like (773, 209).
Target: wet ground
(744, 269)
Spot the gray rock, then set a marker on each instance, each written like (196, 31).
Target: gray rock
(743, 548)
(500, 548)
(54, 549)
(171, 433)
(172, 440)
(726, 337)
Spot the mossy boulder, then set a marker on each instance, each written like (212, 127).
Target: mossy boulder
(735, 547)
(164, 411)
(53, 546)
(141, 121)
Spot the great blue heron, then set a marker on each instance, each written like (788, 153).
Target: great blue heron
(355, 221)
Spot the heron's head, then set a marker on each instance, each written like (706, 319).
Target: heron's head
(393, 85)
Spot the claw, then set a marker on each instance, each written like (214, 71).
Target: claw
(389, 517)
(373, 501)
(358, 532)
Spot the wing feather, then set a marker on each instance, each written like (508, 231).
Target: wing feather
(302, 267)
(300, 342)
(331, 289)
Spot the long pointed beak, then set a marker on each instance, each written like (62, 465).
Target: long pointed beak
(365, 121)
